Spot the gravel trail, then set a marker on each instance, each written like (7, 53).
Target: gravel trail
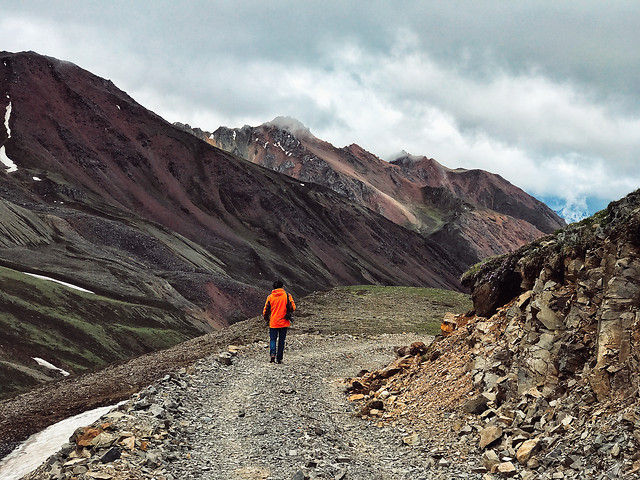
(259, 420)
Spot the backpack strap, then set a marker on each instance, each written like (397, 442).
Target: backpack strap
(289, 307)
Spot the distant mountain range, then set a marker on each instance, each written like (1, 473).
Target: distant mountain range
(472, 214)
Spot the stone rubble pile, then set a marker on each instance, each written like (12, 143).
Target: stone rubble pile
(540, 400)
(500, 432)
(138, 439)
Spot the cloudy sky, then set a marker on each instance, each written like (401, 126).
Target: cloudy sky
(544, 93)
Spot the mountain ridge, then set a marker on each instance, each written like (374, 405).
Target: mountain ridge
(413, 191)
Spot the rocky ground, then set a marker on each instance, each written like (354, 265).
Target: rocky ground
(349, 405)
(257, 420)
(355, 310)
(315, 365)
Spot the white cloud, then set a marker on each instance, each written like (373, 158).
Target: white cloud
(547, 103)
(550, 139)
(26, 33)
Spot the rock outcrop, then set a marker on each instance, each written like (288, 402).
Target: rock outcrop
(578, 296)
(542, 380)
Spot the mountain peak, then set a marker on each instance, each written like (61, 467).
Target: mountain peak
(290, 124)
(405, 158)
(401, 155)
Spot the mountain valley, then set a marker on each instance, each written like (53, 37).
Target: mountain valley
(105, 195)
(135, 256)
(174, 237)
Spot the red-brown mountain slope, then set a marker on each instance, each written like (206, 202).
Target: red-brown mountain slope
(100, 157)
(472, 213)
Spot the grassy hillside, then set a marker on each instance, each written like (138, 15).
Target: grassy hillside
(74, 330)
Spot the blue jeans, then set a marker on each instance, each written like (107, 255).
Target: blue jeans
(279, 335)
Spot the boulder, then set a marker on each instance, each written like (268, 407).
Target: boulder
(111, 455)
(526, 450)
(225, 358)
(489, 459)
(476, 405)
(84, 436)
(507, 469)
(489, 435)
(412, 440)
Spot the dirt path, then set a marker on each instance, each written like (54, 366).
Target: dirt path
(257, 420)
(362, 310)
(254, 419)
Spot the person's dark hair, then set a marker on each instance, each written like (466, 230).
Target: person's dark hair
(278, 284)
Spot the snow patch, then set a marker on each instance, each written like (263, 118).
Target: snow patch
(234, 135)
(37, 179)
(50, 366)
(75, 287)
(7, 162)
(4, 159)
(118, 107)
(39, 446)
(7, 116)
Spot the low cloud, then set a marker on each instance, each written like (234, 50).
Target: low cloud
(551, 112)
(551, 139)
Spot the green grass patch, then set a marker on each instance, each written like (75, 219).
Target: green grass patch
(377, 309)
(156, 338)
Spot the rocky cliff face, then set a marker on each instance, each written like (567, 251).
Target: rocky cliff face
(472, 213)
(541, 381)
(578, 304)
(555, 352)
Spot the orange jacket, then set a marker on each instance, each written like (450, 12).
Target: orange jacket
(275, 308)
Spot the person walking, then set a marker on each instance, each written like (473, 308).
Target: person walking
(277, 313)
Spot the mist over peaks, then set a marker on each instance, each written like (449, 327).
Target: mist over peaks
(290, 124)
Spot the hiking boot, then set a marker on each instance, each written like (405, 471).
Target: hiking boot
(273, 358)
(279, 361)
